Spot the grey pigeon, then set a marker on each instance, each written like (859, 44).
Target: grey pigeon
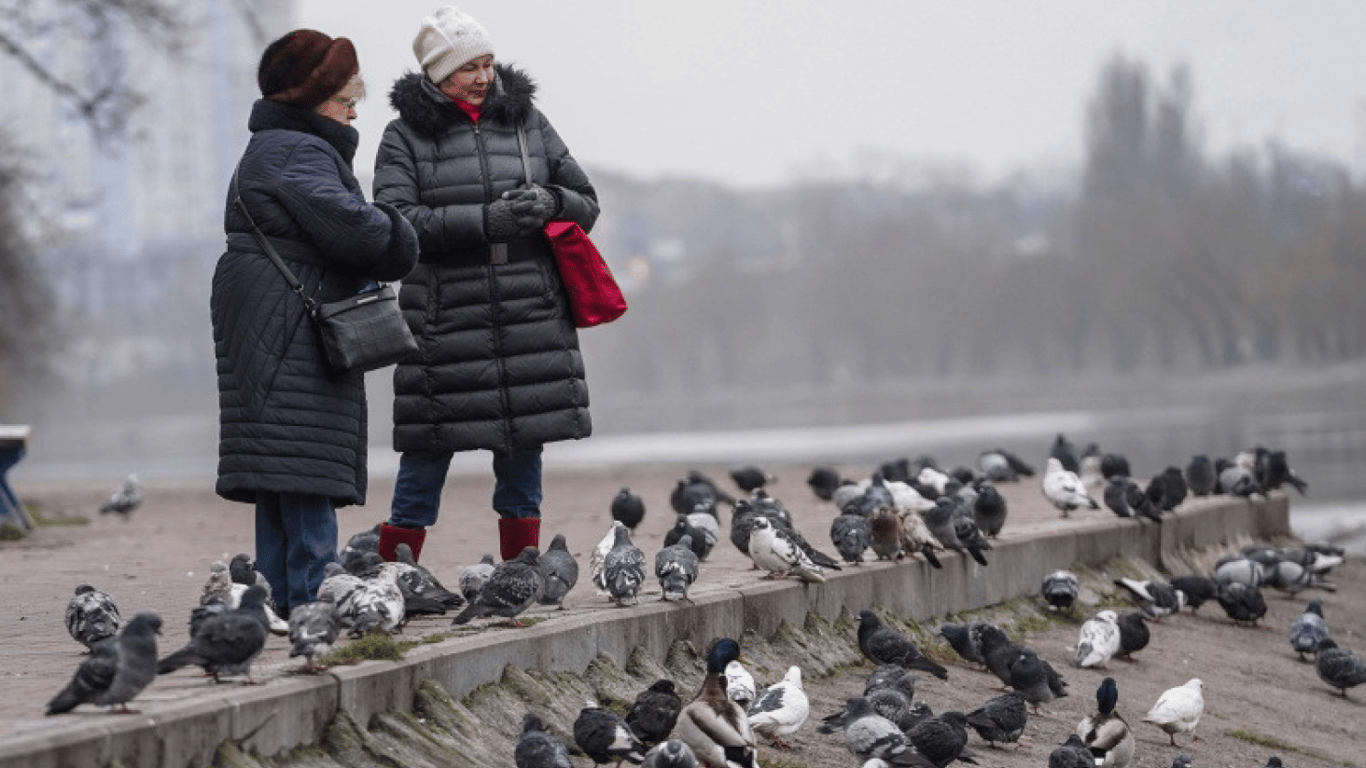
(313, 628)
(1071, 754)
(1133, 634)
(969, 535)
(1112, 464)
(91, 616)
(1237, 481)
(473, 577)
(890, 691)
(943, 520)
(1167, 490)
(852, 535)
(515, 586)
(623, 569)
(1182, 760)
(561, 572)
(1200, 477)
(962, 638)
(882, 644)
(371, 599)
(941, 739)
(1241, 569)
(1156, 598)
(654, 712)
(1126, 498)
(998, 650)
(117, 669)
(362, 541)
(670, 754)
(1000, 720)
(1243, 603)
(1000, 465)
(1197, 589)
(1308, 629)
(1034, 678)
(538, 748)
(125, 500)
(1065, 453)
(823, 481)
(699, 541)
(1339, 667)
(869, 735)
(750, 478)
(226, 644)
(1059, 589)
(421, 581)
(989, 510)
(628, 507)
(1273, 470)
(676, 567)
(604, 736)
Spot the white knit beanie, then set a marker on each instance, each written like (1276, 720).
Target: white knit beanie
(448, 39)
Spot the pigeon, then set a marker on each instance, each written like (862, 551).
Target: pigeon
(969, 535)
(823, 481)
(712, 724)
(1182, 760)
(750, 478)
(1065, 453)
(604, 736)
(781, 709)
(998, 650)
(1338, 667)
(1126, 499)
(1072, 753)
(962, 638)
(1167, 490)
(623, 569)
(1105, 732)
(670, 754)
(1098, 640)
(243, 571)
(1237, 481)
(882, 644)
(1178, 709)
(628, 508)
(219, 584)
(870, 736)
(1000, 465)
(1133, 634)
(1243, 603)
(538, 748)
(1243, 570)
(942, 522)
(740, 685)
(989, 510)
(654, 712)
(1200, 477)
(696, 493)
(1059, 590)
(371, 599)
(419, 580)
(699, 540)
(676, 567)
(515, 586)
(1197, 589)
(473, 577)
(560, 570)
(1034, 678)
(361, 542)
(1273, 762)
(893, 700)
(1113, 464)
(1001, 720)
(117, 669)
(91, 616)
(1274, 471)
(125, 500)
(1308, 629)
(1064, 490)
(227, 643)
(1156, 598)
(941, 739)
(852, 535)
(313, 628)
(916, 536)
(773, 549)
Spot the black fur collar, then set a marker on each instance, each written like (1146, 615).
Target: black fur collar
(421, 105)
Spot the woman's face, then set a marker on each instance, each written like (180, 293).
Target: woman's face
(341, 106)
(471, 82)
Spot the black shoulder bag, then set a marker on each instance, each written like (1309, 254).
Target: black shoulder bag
(357, 334)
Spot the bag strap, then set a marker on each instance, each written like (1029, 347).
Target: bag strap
(526, 156)
(262, 241)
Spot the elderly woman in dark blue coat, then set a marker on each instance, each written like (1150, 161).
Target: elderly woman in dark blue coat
(499, 367)
(292, 437)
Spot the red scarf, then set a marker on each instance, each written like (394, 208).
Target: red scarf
(470, 109)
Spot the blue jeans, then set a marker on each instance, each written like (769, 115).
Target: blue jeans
(296, 535)
(417, 489)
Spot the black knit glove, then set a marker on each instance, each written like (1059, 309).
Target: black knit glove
(536, 201)
(506, 220)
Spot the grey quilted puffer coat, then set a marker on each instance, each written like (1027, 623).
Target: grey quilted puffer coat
(284, 425)
(499, 366)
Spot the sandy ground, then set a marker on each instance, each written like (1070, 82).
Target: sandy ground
(1260, 699)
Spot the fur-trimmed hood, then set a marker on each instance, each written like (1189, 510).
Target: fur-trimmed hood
(429, 112)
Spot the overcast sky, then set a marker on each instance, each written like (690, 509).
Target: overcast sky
(759, 92)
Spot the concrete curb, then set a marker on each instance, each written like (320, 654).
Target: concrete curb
(296, 711)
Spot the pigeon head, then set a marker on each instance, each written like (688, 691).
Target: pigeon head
(531, 722)
(146, 621)
(559, 544)
(529, 556)
(1315, 606)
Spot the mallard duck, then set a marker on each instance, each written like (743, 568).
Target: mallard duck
(1107, 734)
(714, 726)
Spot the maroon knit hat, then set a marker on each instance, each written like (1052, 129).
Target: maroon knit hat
(306, 67)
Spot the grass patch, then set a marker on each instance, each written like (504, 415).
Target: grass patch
(42, 519)
(783, 761)
(1271, 742)
(372, 646)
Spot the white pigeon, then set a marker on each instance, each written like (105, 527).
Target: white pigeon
(474, 577)
(1178, 709)
(364, 604)
(933, 478)
(772, 550)
(781, 709)
(1064, 489)
(126, 499)
(739, 684)
(1099, 640)
(597, 559)
(91, 616)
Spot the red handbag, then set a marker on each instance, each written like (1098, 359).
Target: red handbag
(594, 296)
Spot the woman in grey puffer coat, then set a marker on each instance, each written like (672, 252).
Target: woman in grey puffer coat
(499, 367)
(292, 438)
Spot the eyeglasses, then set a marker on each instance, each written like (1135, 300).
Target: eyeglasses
(348, 103)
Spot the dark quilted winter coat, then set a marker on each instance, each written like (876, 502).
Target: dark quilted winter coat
(499, 366)
(284, 425)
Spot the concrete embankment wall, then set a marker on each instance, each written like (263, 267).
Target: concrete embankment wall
(295, 711)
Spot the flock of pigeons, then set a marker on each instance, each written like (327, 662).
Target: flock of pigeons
(905, 508)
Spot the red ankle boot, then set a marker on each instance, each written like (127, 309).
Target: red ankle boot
(390, 536)
(518, 533)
